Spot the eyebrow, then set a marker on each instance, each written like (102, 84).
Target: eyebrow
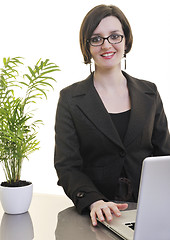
(99, 34)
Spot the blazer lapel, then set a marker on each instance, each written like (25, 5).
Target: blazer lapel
(141, 102)
(90, 104)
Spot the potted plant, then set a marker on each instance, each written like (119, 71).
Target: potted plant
(18, 126)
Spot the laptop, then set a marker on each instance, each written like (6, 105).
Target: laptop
(151, 220)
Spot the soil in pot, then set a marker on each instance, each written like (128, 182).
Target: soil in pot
(20, 183)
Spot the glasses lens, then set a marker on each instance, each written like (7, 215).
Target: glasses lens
(96, 41)
(115, 38)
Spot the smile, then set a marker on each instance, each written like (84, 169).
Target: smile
(108, 54)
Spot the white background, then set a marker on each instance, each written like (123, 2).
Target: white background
(37, 29)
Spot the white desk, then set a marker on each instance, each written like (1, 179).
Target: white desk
(38, 223)
(51, 217)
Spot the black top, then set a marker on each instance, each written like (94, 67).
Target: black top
(121, 121)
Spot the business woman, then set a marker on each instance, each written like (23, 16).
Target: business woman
(108, 123)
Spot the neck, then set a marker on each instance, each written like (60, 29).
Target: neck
(109, 78)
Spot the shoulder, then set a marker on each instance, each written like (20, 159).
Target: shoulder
(141, 84)
(78, 87)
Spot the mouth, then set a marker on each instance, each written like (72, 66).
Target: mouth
(108, 54)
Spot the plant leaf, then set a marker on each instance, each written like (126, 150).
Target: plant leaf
(32, 72)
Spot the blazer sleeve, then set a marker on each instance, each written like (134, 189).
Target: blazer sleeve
(68, 161)
(160, 136)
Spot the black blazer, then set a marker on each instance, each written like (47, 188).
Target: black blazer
(89, 154)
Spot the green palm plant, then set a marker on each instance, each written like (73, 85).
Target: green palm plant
(18, 127)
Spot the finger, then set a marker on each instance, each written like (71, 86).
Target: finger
(99, 214)
(96, 213)
(113, 207)
(93, 218)
(122, 206)
(107, 213)
(117, 207)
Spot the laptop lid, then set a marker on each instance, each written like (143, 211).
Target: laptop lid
(153, 211)
(153, 214)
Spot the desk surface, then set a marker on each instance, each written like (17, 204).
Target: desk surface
(38, 223)
(50, 217)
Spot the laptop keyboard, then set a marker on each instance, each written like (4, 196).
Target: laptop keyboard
(131, 225)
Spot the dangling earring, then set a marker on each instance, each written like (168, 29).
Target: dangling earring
(124, 60)
(90, 68)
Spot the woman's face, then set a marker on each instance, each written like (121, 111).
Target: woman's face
(108, 55)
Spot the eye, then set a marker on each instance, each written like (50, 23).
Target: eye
(96, 39)
(114, 36)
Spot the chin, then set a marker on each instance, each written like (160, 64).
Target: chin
(112, 66)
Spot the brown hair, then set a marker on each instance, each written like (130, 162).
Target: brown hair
(92, 20)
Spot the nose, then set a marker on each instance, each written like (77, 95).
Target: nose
(106, 44)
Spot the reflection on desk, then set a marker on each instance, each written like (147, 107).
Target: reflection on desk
(73, 226)
(16, 227)
(39, 223)
(51, 217)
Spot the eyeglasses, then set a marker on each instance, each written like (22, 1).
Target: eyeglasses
(112, 39)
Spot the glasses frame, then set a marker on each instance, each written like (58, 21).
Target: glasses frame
(105, 38)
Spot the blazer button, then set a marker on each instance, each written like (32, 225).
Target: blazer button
(80, 194)
(122, 154)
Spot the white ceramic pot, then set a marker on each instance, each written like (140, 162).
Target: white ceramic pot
(16, 200)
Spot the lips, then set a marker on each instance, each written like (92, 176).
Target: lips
(108, 55)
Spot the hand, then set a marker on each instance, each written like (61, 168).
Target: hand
(103, 209)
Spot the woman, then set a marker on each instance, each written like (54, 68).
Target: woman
(107, 124)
